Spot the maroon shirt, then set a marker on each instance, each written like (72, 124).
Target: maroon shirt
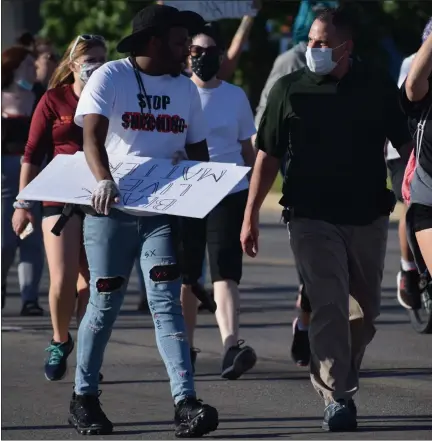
(52, 130)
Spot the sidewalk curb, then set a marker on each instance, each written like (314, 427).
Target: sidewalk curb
(271, 204)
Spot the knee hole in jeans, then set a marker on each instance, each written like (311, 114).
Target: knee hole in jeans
(164, 273)
(107, 285)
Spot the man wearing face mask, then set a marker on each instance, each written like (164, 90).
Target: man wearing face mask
(333, 118)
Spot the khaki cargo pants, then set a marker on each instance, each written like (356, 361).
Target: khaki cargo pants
(336, 261)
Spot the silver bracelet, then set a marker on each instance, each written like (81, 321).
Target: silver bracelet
(26, 205)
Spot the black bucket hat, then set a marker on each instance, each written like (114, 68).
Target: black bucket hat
(156, 18)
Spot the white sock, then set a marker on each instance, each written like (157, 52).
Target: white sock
(407, 266)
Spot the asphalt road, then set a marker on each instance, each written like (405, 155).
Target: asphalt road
(275, 400)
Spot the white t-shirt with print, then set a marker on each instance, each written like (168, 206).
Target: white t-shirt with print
(174, 119)
(171, 119)
(229, 120)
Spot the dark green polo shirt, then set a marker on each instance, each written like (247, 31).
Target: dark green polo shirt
(333, 132)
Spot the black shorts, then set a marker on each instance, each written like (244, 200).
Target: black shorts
(220, 232)
(421, 217)
(56, 210)
(396, 169)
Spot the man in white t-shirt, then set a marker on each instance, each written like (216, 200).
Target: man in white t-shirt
(139, 106)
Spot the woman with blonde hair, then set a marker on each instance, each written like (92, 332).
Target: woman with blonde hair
(54, 132)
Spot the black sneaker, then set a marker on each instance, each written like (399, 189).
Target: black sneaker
(340, 416)
(56, 365)
(408, 289)
(202, 306)
(237, 361)
(193, 355)
(87, 416)
(207, 301)
(31, 309)
(300, 348)
(352, 407)
(194, 419)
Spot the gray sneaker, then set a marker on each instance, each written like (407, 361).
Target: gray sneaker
(237, 361)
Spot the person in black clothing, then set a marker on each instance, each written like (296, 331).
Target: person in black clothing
(416, 100)
(18, 77)
(333, 117)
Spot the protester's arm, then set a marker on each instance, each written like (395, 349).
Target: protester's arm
(95, 132)
(405, 68)
(93, 113)
(231, 59)
(417, 82)
(272, 141)
(196, 143)
(38, 143)
(246, 129)
(395, 120)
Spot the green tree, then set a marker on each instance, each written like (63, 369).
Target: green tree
(401, 20)
(65, 19)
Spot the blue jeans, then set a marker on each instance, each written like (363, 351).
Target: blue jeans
(112, 245)
(141, 281)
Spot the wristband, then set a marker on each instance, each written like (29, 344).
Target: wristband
(26, 205)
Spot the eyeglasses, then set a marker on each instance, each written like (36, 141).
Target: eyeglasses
(84, 37)
(197, 51)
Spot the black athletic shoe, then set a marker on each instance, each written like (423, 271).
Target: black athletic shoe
(194, 419)
(193, 355)
(352, 407)
(300, 348)
(31, 309)
(203, 307)
(207, 301)
(56, 364)
(86, 415)
(340, 416)
(237, 361)
(408, 289)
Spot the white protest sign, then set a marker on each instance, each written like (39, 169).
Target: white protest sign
(217, 9)
(190, 188)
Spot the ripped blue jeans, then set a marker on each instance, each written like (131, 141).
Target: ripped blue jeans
(112, 245)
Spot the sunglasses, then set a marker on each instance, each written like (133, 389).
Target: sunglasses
(197, 51)
(84, 37)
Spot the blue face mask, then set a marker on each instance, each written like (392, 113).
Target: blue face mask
(24, 84)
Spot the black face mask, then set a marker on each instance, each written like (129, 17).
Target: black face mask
(205, 66)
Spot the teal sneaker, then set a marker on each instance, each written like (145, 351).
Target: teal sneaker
(56, 364)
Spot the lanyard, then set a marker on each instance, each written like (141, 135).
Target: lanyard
(142, 96)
